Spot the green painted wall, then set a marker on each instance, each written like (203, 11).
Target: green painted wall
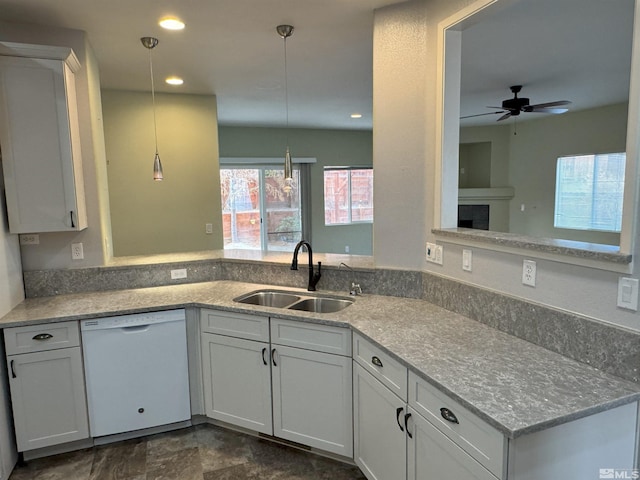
(330, 148)
(151, 217)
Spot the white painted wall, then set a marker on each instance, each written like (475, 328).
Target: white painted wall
(405, 81)
(402, 178)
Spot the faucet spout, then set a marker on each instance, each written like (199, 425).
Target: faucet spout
(314, 277)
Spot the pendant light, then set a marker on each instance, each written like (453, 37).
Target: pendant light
(150, 43)
(285, 31)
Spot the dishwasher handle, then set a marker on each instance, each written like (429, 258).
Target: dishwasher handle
(136, 328)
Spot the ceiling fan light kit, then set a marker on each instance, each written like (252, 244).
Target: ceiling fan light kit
(512, 107)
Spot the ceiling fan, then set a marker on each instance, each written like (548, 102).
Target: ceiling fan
(513, 106)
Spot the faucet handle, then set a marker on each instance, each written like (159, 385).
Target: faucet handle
(355, 289)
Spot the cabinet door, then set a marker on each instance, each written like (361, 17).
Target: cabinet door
(48, 397)
(432, 455)
(380, 440)
(237, 381)
(312, 399)
(39, 134)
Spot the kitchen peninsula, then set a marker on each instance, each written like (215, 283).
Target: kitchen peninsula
(516, 389)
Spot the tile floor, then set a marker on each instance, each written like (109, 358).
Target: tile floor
(203, 452)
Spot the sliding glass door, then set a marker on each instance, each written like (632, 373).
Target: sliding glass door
(257, 214)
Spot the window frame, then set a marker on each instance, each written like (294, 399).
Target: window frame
(592, 225)
(350, 195)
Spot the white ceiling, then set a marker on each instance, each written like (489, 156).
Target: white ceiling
(577, 50)
(230, 48)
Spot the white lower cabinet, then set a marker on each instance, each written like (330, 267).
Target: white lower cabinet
(312, 399)
(237, 381)
(432, 455)
(47, 385)
(395, 442)
(298, 394)
(380, 444)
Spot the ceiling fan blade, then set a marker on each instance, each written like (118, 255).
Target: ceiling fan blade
(547, 110)
(481, 114)
(549, 104)
(504, 117)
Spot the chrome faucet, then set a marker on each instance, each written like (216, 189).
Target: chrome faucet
(314, 278)
(355, 288)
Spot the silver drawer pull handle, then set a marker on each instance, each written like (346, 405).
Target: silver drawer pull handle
(448, 415)
(376, 361)
(43, 336)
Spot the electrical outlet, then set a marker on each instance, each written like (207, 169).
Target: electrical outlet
(529, 273)
(77, 252)
(208, 228)
(178, 273)
(346, 249)
(467, 257)
(29, 239)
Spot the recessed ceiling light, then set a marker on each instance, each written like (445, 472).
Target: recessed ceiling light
(356, 115)
(171, 23)
(174, 80)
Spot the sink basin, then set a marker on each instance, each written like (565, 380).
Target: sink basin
(269, 299)
(321, 305)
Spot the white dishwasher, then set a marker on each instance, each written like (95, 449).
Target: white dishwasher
(136, 371)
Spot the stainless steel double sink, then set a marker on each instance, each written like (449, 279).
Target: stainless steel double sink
(294, 301)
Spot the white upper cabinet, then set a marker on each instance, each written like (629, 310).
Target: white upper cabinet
(40, 139)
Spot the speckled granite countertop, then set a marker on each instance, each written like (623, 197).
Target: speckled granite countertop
(515, 386)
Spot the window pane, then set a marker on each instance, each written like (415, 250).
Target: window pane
(240, 195)
(362, 195)
(336, 197)
(284, 215)
(589, 192)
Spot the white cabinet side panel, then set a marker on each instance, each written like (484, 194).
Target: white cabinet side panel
(578, 449)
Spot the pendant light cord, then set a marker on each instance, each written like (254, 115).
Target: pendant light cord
(153, 101)
(286, 91)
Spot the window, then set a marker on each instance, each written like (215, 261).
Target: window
(256, 213)
(589, 191)
(348, 195)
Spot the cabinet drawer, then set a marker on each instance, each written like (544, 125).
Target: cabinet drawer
(251, 327)
(311, 336)
(381, 365)
(480, 440)
(37, 338)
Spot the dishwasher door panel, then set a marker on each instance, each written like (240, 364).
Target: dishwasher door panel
(137, 377)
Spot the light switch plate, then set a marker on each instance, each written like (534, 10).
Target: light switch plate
(467, 258)
(628, 293)
(434, 253)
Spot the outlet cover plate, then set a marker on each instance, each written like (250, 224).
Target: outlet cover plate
(77, 251)
(178, 274)
(29, 239)
(529, 273)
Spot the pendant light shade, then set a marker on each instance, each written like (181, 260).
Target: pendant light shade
(285, 31)
(150, 43)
